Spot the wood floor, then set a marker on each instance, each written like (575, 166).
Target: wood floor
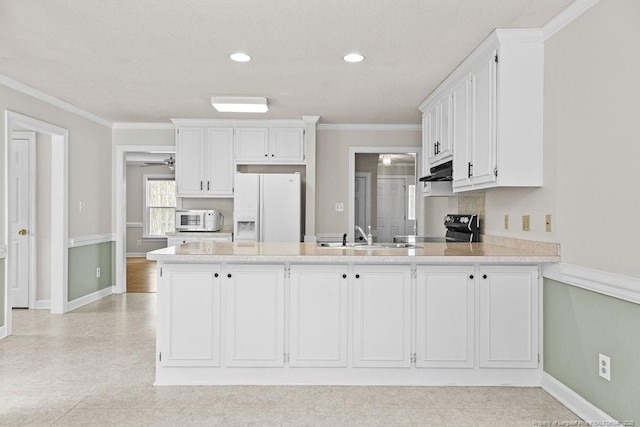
(141, 275)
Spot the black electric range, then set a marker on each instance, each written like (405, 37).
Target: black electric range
(460, 228)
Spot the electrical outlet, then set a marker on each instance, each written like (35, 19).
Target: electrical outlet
(547, 223)
(604, 366)
(82, 206)
(139, 242)
(97, 272)
(339, 207)
(526, 223)
(506, 222)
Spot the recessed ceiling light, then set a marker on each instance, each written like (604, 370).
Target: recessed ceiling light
(353, 57)
(240, 57)
(240, 104)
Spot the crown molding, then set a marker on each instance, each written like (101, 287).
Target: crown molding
(52, 100)
(144, 126)
(567, 16)
(377, 127)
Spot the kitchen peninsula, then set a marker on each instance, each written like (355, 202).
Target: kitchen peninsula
(297, 313)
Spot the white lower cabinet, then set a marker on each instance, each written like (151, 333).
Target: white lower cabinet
(189, 328)
(318, 307)
(445, 316)
(508, 316)
(381, 316)
(254, 315)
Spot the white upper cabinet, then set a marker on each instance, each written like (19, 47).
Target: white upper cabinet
(252, 145)
(437, 122)
(495, 114)
(190, 161)
(204, 162)
(274, 145)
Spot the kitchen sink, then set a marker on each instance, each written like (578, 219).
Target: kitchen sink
(364, 246)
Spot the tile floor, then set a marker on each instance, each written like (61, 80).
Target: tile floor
(95, 366)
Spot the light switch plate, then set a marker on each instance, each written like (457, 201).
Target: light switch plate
(526, 223)
(506, 222)
(339, 207)
(547, 223)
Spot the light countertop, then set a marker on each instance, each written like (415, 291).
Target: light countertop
(210, 252)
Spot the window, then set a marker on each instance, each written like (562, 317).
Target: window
(160, 205)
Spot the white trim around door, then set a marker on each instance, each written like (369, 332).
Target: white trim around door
(59, 207)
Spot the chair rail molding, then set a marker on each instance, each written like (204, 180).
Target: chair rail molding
(611, 284)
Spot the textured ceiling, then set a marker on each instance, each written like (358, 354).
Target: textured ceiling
(152, 60)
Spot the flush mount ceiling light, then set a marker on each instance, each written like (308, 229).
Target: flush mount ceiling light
(240, 57)
(353, 57)
(240, 104)
(386, 160)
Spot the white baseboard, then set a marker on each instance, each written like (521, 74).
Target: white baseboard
(43, 304)
(3, 332)
(87, 299)
(136, 254)
(576, 403)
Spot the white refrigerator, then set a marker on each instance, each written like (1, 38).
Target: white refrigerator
(266, 207)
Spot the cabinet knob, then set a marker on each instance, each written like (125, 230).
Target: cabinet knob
(273, 155)
(216, 275)
(357, 276)
(229, 275)
(484, 276)
(266, 155)
(471, 276)
(344, 276)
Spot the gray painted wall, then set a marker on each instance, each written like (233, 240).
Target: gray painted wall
(579, 324)
(1, 292)
(83, 262)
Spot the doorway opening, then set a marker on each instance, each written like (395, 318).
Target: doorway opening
(382, 192)
(149, 160)
(56, 189)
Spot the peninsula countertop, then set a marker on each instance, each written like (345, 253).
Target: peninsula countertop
(427, 253)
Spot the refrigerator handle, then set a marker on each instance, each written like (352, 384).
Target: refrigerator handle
(260, 233)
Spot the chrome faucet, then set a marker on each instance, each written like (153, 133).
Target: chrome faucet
(364, 236)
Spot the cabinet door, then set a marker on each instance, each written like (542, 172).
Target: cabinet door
(382, 316)
(483, 117)
(190, 162)
(509, 317)
(252, 145)
(460, 133)
(189, 315)
(444, 127)
(286, 145)
(219, 162)
(255, 315)
(318, 316)
(430, 129)
(445, 317)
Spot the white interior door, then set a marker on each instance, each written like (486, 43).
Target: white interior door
(19, 253)
(391, 208)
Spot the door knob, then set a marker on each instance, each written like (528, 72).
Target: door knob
(22, 232)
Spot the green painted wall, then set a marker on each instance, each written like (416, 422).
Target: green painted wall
(579, 324)
(2, 284)
(83, 262)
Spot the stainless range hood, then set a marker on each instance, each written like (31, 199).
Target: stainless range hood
(443, 172)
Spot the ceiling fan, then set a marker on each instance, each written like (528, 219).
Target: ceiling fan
(170, 163)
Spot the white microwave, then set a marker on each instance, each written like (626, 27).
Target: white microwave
(198, 220)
